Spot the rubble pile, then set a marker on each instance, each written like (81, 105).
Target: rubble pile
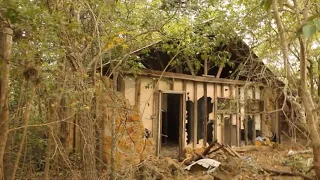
(160, 168)
(260, 161)
(219, 161)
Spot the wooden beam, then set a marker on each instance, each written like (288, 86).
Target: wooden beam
(172, 84)
(207, 79)
(182, 123)
(233, 135)
(245, 121)
(158, 126)
(215, 112)
(253, 140)
(184, 88)
(195, 117)
(238, 119)
(264, 113)
(219, 71)
(156, 110)
(222, 118)
(205, 114)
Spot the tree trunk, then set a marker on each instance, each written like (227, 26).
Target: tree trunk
(312, 117)
(5, 55)
(318, 61)
(87, 125)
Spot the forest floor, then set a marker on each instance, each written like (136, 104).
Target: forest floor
(277, 161)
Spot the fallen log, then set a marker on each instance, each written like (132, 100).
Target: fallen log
(286, 173)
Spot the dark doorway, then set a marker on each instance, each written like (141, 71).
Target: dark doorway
(201, 119)
(190, 106)
(170, 128)
(250, 125)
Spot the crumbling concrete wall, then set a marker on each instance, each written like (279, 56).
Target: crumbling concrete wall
(132, 146)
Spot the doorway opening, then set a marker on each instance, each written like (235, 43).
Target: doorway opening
(171, 124)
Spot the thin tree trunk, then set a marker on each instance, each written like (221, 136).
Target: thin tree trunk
(5, 55)
(8, 158)
(46, 175)
(311, 76)
(318, 61)
(26, 119)
(283, 40)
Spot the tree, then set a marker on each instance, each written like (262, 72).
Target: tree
(5, 56)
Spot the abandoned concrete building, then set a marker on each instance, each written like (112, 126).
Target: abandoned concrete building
(231, 104)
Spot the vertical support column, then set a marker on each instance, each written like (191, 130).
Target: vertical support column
(253, 140)
(157, 116)
(205, 115)
(215, 105)
(182, 123)
(172, 84)
(158, 125)
(195, 113)
(238, 119)
(233, 131)
(277, 128)
(245, 122)
(222, 118)
(264, 113)
(184, 88)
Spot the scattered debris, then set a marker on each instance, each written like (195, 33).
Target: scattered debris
(220, 161)
(286, 173)
(263, 141)
(197, 156)
(291, 152)
(207, 163)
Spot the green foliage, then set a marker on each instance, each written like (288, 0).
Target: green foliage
(310, 29)
(266, 4)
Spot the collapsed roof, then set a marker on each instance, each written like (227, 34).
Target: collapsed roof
(243, 63)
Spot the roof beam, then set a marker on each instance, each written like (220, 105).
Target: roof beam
(208, 79)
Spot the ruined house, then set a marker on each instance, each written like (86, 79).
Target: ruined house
(232, 103)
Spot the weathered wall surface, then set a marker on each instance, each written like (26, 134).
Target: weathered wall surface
(148, 106)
